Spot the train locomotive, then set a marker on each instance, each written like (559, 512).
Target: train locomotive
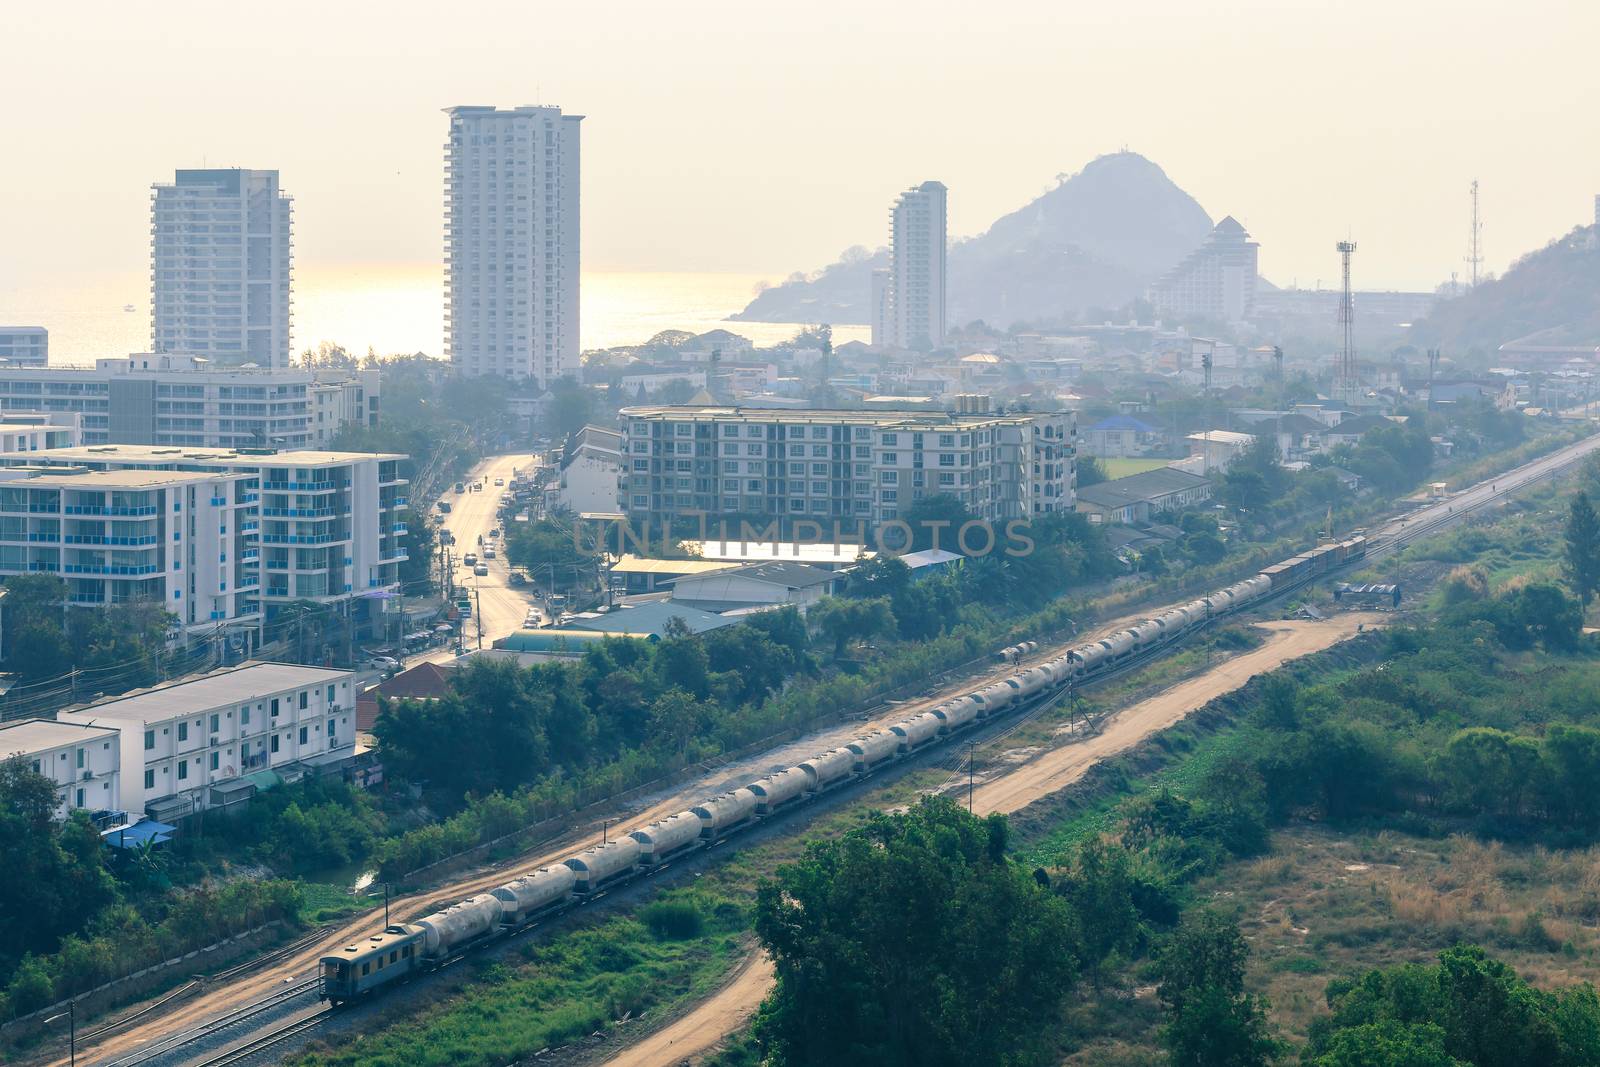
(401, 950)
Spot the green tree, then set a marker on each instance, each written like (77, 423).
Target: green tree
(973, 973)
(843, 621)
(1583, 548)
(1385, 1044)
(35, 626)
(1090, 471)
(1211, 1020)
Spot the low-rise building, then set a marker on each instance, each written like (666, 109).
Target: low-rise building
(33, 431)
(178, 400)
(1139, 496)
(591, 466)
(1217, 449)
(755, 585)
(1123, 437)
(25, 346)
(186, 745)
(83, 761)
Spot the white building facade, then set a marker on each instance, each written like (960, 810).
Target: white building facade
(219, 266)
(326, 526)
(181, 741)
(82, 761)
(186, 401)
(512, 242)
(26, 346)
(854, 467)
(916, 283)
(186, 541)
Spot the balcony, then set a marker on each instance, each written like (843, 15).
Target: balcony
(297, 513)
(301, 539)
(99, 568)
(88, 539)
(99, 509)
(299, 487)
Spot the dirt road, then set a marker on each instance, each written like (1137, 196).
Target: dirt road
(709, 1023)
(699, 1031)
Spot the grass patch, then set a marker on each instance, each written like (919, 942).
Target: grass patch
(325, 901)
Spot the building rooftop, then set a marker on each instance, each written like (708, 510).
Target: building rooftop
(37, 735)
(1222, 437)
(81, 478)
(1146, 485)
(234, 685)
(652, 618)
(779, 551)
(886, 418)
(1123, 422)
(788, 575)
(222, 457)
(630, 564)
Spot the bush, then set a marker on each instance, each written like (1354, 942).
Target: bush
(672, 920)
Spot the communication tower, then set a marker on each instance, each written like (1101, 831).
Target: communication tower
(1345, 379)
(1475, 238)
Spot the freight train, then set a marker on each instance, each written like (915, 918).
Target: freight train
(401, 950)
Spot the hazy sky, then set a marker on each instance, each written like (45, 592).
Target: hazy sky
(748, 136)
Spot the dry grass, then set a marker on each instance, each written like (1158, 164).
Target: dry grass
(1324, 905)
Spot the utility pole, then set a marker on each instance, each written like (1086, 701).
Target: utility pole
(477, 612)
(386, 905)
(1347, 323)
(1475, 239)
(971, 755)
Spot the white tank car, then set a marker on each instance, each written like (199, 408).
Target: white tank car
(777, 789)
(445, 931)
(1029, 682)
(534, 892)
(1090, 657)
(720, 813)
(918, 731)
(874, 748)
(1219, 603)
(1253, 589)
(1119, 644)
(829, 767)
(993, 698)
(1028, 648)
(1146, 633)
(665, 836)
(598, 865)
(956, 713)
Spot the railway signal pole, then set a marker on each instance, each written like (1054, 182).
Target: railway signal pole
(972, 754)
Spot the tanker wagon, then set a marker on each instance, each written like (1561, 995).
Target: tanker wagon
(664, 837)
(534, 894)
(720, 814)
(775, 790)
(597, 866)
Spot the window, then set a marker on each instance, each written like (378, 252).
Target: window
(890, 459)
(891, 440)
(947, 459)
(149, 740)
(213, 761)
(274, 742)
(183, 731)
(216, 722)
(274, 708)
(150, 779)
(890, 477)
(244, 715)
(947, 440)
(183, 769)
(80, 759)
(303, 701)
(303, 735)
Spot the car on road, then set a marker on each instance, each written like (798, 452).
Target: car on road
(481, 571)
(444, 507)
(461, 487)
(477, 487)
(469, 560)
(383, 663)
(488, 552)
(499, 481)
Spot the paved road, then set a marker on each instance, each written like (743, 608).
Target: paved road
(498, 607)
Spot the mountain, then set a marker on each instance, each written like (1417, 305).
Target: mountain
(1098, 239)
(1554, 292)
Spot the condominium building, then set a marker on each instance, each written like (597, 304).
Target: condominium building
(191, 402)
(511, 242)
(916, 285)
(880, 308)
(327, 526)
(191, 745)
(219, 266)
(184, 540)
(82, 761)
(27, 346)
(855, 467)
(33, 431)
(1217, 281)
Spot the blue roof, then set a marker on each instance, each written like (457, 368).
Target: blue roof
(140, 833)
(1124, 422)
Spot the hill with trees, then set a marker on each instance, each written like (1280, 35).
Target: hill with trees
(1553, 293)
(1098, 239)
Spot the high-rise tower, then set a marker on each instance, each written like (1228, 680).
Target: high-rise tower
(219, 266)
(916, 290)
(511, 242)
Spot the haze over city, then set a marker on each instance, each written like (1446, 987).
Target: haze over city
(736, 137)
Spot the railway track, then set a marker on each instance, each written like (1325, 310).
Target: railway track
(1392, 537)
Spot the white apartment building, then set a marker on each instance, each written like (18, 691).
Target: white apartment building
(916, 284)
(32, 431)
(83, 761)
(184, 540)
(188, 401)
(184, 744)
(511, 242)
(853, 467)
(27, 346)
(329, 525)
(1216, 281)
(219, 266)
(590, 467)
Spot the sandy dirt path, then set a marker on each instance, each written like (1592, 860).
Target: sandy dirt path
(700, 1031)
(708, 1024)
